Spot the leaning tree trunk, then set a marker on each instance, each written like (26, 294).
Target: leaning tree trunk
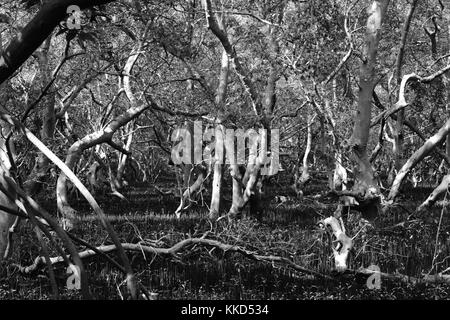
(417, 156)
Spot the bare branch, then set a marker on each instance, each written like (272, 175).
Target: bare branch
(119, 148)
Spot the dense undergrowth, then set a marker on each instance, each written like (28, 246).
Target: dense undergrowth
(288, 229)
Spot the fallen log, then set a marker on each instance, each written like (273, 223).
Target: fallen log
(40, 262)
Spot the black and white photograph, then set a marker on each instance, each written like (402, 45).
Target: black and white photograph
(224, 158)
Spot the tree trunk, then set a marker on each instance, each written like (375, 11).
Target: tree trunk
(6, 220)
(446, 81)
(219, 136)
(365, 184)
(399, 131)
(252, 188)
(304, 178)
(339, 174)
(92, 177)
(236, 206)
(216, 191)
(217, 175)
(365, 192)
(123, 157)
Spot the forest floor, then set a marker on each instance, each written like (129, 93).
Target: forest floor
(287, 228)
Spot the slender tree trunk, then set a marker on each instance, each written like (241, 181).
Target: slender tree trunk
(236, 206)
(218, 163)
(251, 191)
(446, 80)
(304, 178)
(123, 157)
(339, 178)
(399, 131)
(217, 177)
(93, 177)
(296, 170)
(340, 173)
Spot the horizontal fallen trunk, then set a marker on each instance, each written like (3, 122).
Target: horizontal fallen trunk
(40, 263)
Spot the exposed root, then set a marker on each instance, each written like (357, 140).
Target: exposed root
(119, 195)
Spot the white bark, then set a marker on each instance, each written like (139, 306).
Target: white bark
(6, 220)
(343, 242)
